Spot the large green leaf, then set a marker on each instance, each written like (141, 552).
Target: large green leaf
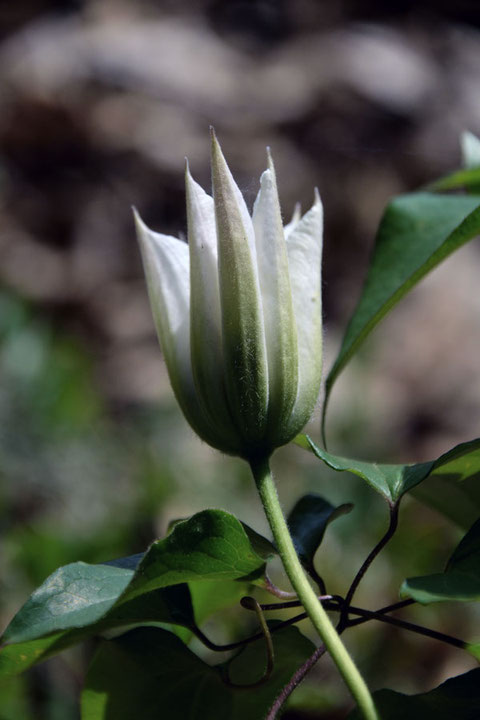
(74, 596)
(15, 659)
(456, 699)
(308, 521)
(208, 598)
(462, 463)
(212, 545)
(79, 599)
(416, 233)
(151, 672)
(461, 579)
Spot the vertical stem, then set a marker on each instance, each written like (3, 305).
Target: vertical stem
(293, 568)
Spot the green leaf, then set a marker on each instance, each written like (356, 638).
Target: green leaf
(209, 598)
(168, 605)
(393, 481)
(291, 650)
(461, 579)
(15, 659)
(151, 669)
(308, 521)
(79, 599)
(454, 487)
(456, 699)
(467, 179)
(263, 547)
(211, 545)
(416, 233)
(76, 595)
(474, 649)
(151, 672)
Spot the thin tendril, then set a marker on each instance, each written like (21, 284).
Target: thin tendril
(343, 622)
(251, 604)
(295, 680)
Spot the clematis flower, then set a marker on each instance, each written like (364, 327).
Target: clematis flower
(238, 313)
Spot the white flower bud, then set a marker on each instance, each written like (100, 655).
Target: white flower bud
(238, 313)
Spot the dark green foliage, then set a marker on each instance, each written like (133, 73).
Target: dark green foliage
(152, 669)
(461, 579)
(456, 699)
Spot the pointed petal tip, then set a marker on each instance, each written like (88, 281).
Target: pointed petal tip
(213, 137)
(138, 220)
(215, 149)
(143, 232)
(317, 201)
(188, 174)
(270, 160)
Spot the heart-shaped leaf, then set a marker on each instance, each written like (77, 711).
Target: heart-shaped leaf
(461, 579)
(308, 521)
(79, 599)
(416, 233)
(152, 670)
(392, 481)
(456, 699)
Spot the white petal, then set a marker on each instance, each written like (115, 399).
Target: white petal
(290, 227)
(166, 263)
(470, 146)
(205, 316)
(304, 248)
(279, 321)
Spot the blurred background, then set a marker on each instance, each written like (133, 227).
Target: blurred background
(100, 100)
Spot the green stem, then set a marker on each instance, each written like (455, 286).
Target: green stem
(296, 575)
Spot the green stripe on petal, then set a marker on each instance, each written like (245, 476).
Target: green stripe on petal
(304, 249)
(205, 312)
(279, 320)
(243, 333)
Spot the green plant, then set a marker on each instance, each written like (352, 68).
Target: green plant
(151, 607)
